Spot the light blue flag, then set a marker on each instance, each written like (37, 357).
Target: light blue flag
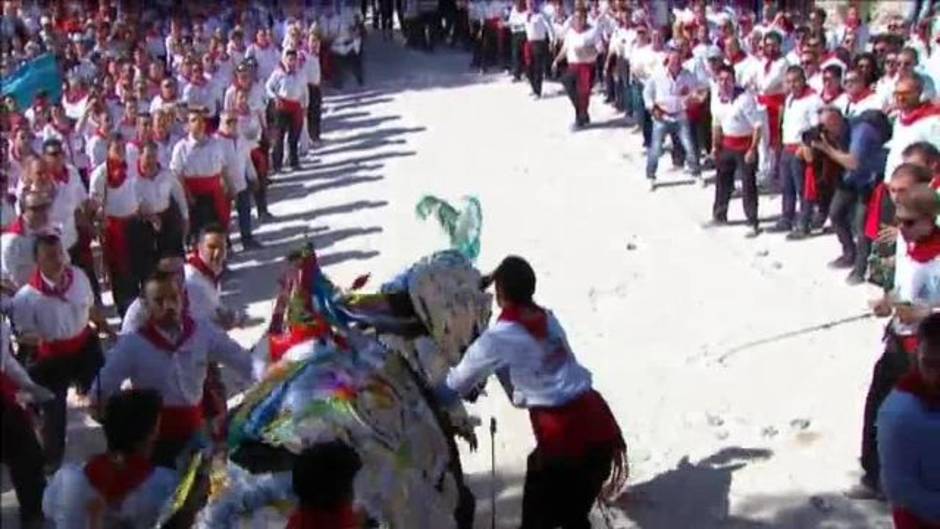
(42, 73)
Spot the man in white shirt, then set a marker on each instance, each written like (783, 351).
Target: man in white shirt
(238, 150)
(736, 131)
(578, 442)
(800, 113)
(52, 312)
(537, 32)
(287, 87)
(200, 165)
(170, 354)
(314, 94)
(17, 262)
(666, 96)
(264, 52)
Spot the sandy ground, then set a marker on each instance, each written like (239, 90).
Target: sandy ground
(766, 437)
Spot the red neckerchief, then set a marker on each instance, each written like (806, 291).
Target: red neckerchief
(62, 175)
(771, 59)
(114, 481)
(262, 46)
(17, 227)
(196, 262)
(64, 130)
(150, 333)
(56, 291)
(829, 98)
(853, 23)
(738, 57)
(536, 325)
(867, 91)
(101, 134)
(74, 98)
(913, 382)
(311, 518)
(926, 250)
(116, 171)
(225, 135)
(140, 170)
(923, 111)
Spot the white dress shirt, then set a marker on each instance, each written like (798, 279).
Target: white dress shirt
(192, 159)
(669, 92)
(121, 201)
(50, 317)
(799, 114)
(738, 116)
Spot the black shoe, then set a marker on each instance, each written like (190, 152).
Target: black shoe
(798, 234)
(865, 489)
(855, 278)
(781, 226)
(715, 223)
(251, 244)
(753, 232)
(266, 216)
(843, 261)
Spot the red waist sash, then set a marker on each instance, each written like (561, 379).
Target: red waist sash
(116, 244)
(583, 74)
(573, 429)
(293, 108)
(210, 186)
(49, 349)
(774, 104)
(180, 423)
(873, 215)
(736, 143)
(791, 148)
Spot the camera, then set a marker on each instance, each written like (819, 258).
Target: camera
(811, 135)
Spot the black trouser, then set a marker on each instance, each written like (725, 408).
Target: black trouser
(57, 374)
(847, 212)
(23, 456)
(892, 365)
(731, 164)
(314, 111)
(517, 61)
(448, 15)
(536, 72)
(561, 492)
(430, 29)
(286, 125)
(202, 212)
(364, 7)
(489, 47)
(462, 27)
(352, 62)
(386, 8)
(126, 283)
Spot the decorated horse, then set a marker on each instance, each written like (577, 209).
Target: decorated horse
(359, 367)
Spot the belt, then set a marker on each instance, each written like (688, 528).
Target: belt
(736, 143)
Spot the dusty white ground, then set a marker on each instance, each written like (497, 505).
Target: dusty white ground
(650, 300)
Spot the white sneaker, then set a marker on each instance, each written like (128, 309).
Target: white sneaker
(652, 184)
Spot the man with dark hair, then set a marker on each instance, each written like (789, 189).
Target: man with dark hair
(925, 155)
(114, 195)
(578, 442)
(736, 131)
(801, 113)
(53, 313)
(198, 163)
(856, 150)
(170, 354)
(121, 486)
(909, 434)
(322, 479)
(915, 295)
(287, 86)
(17, 261)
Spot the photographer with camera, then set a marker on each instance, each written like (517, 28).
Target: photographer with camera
(856, 148)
